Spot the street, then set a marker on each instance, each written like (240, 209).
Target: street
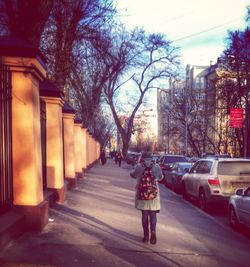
(99, 226)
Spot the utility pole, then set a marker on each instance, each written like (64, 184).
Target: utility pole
(246, 148)
(246, 127)
(186, 122)
(168, 133)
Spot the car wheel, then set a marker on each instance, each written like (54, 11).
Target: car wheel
(202, 200)
(233, 220)
(184, 192)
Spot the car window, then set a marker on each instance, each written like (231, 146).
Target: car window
(175, 168)
(194, 167)
(161, 159)
(234, 168)
(182, 167)
(204, 167)
(247, 192)
(173, 159)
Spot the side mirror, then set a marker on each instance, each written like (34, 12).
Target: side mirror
(239, 192)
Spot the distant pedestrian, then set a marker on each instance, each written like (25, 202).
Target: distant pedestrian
(119, 158)
(103, 157)
(115, 156)
(112, 154)
(149, 205)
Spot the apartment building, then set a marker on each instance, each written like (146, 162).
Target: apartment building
(171, 117)
(186, 113)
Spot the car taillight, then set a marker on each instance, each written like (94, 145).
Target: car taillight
(213, 182)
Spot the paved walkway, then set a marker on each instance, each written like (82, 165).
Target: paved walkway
(96, 226)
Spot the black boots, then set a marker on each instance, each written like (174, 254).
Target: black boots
(153, 238)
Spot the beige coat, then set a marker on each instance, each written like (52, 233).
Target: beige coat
(153, 204)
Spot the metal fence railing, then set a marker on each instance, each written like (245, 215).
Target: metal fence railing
(43, 141)
(6, 177)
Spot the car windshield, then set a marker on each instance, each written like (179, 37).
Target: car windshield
(173, 159)
(231, 168)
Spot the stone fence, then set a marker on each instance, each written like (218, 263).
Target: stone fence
(50, 148)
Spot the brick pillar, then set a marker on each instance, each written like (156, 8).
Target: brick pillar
(54, 138)
(88, 150)
(84, 149)
(97, 150)
(68, 141)
(78, 148)
(27, 67)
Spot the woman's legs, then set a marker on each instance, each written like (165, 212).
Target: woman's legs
(149, 218)
(153, 221)
(145, 224)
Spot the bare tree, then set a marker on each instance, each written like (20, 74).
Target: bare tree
(70, 24)
(190, 116)
(87, 80)
(138, 63)
(71, 44)
(25, 18)
(235, 82)
(248, 13)
(103, 128)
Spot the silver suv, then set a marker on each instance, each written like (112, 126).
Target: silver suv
(215, 179)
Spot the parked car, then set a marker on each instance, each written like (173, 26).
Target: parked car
(239, 208)
(132, 158)
(166, 161)
(215, 180)
(173, 178)
(212, 155)
(193, 159)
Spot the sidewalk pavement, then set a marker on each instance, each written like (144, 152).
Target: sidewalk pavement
(97, 225)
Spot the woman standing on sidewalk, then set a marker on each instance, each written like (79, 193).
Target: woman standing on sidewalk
(149, 208)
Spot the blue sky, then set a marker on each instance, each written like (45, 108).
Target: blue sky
(182, 20)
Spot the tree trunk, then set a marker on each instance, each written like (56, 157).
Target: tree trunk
(125, 144)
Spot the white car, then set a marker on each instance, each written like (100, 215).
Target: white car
(239, 208)
(215, 179)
